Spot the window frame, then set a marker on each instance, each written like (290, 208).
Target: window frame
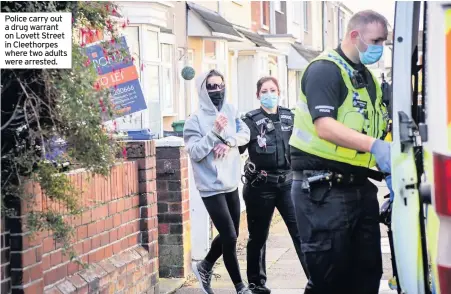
(299, 13)
(167, 65)
(262, 12)
(151, 62)
(146, 63)
(220, 57)
(137, 58)
(205, 58)
(305, 16)
(143, 64)
(277, 6)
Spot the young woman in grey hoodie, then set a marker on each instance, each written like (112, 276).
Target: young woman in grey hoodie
(212, 136)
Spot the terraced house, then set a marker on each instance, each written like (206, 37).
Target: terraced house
(134, 238)
(243, 39)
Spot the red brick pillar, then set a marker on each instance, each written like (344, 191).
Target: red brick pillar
(5, 265)
(144, 153)
(174, 231)
(26, 252)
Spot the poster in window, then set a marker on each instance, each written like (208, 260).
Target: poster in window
(118, 73)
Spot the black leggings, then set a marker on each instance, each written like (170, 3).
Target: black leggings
(224, 210)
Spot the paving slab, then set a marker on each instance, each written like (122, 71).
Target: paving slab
(169, 286)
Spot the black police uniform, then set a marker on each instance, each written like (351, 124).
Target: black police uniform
(339, 222)
(271, 191)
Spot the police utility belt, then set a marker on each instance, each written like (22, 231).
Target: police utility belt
(315, 177)
(255, 177)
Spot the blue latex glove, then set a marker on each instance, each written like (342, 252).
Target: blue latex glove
(381, 151)
(389, 186)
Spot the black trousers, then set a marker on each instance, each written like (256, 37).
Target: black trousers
(260, 205)
(224, 210)
(340, 237)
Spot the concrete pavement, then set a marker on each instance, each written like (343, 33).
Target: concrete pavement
(285, 275)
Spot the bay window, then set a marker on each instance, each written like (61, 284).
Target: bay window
(134, 120)
(148, 62)
(215, 56)
(132, 38)
(167, 79)
(297, 15)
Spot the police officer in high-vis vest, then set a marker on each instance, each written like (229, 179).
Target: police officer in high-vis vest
(267, 178)
(338, 139)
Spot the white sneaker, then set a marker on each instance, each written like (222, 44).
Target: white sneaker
(245, 290)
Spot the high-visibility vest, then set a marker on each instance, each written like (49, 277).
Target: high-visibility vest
(357, 112)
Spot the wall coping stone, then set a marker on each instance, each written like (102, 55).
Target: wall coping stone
(103, 276)
(171, 141)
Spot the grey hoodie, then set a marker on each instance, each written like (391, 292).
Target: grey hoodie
(214, 176)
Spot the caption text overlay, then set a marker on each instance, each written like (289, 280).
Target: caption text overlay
(36, 40)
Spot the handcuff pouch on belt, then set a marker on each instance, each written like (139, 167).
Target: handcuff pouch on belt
(317, 177)
(253, 176)
(320, 177)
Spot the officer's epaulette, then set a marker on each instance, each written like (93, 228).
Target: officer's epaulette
(285, 111)
(253, 113)
(284, 108)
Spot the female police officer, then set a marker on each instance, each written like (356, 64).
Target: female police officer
(268, 178)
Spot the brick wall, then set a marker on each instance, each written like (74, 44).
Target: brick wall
(5, 268)
(256, 15)
(116, 234)
(173, 208)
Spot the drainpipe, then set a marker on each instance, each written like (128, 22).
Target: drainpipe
(235, 77)
(187, 85)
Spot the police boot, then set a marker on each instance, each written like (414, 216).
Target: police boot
(259, 289)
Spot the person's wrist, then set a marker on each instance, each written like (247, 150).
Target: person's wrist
(216, 131)
(231, 142)
(371, 142)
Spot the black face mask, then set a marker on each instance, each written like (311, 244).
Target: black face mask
(217, 98)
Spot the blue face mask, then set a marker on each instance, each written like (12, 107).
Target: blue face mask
(269, 100)
(372, 54)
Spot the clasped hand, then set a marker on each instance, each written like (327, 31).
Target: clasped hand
(220, 123)
(221, 150)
